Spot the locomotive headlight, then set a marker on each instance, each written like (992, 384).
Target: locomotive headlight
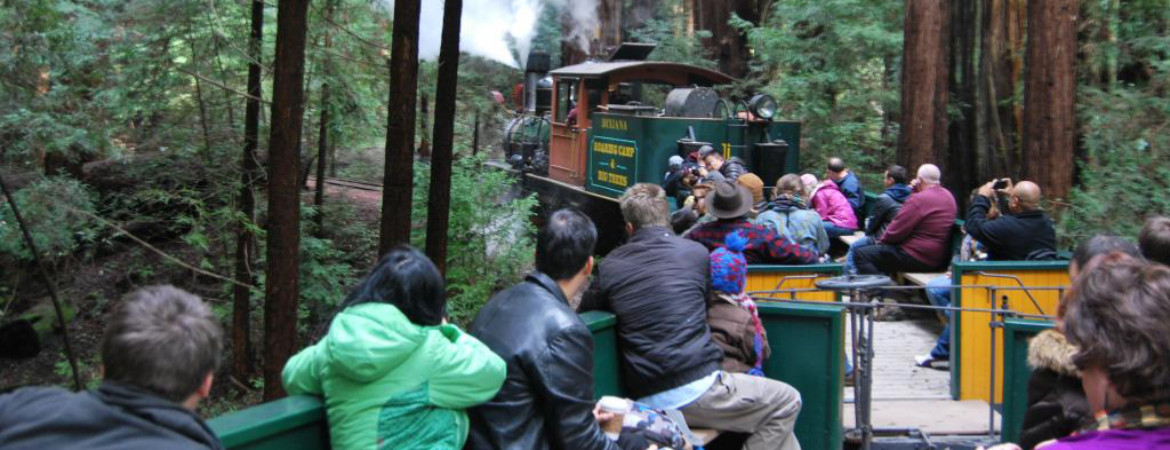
(763, 106)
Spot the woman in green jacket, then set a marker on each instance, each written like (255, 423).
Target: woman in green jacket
(393, 373)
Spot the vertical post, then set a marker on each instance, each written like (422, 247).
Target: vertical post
(32, 248)
(991, 395)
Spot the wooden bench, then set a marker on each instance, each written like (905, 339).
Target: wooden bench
(921, 278)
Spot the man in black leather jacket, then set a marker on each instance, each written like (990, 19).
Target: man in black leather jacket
(716, 168)
(547, 398)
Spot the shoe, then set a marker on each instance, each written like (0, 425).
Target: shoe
(923, 360)
(850, 379)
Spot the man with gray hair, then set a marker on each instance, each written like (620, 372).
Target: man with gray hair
(918, 239)
(160, 350)
(658, 285)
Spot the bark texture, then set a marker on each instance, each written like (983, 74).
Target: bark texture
(439, 202)
(399, 174)
(923, 136)
(242, 351)
(1050, 96)
(284, 211)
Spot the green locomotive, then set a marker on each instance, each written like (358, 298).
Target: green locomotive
(591, 130)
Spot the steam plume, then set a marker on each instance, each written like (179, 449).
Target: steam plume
(494, 28)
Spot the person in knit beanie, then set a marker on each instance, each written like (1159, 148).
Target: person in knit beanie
(735, 323)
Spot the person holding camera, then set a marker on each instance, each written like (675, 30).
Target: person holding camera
(1021, 232)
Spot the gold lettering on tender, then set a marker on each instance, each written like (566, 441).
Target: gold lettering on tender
(614, 124)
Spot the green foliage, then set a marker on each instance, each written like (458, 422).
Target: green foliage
(830, 64)
(51, 208)
(489, 244)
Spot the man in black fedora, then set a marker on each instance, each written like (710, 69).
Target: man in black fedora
(730, 204)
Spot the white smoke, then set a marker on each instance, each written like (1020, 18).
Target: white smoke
(494, 28)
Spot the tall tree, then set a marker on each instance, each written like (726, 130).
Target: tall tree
(959, 167)
(923, 136)
(439, 202)
(284, 208)
(398, 180)
(245, 239)
(323, 126)
(1050, 96)
(1001, 68)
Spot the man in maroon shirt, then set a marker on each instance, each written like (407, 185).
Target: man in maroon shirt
(919, 238)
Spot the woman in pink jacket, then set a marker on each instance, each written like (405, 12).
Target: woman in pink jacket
(832, 205)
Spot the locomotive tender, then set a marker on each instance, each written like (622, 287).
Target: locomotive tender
(591, 130)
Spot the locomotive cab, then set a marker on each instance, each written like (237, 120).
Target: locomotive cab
(614, 124)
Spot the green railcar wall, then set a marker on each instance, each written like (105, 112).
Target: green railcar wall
(1016, 373)
(291, 423)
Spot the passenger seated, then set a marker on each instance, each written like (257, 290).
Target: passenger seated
(391, 369)
(1056, 401)
(831, 204)
(1024, 233)
(789, 215)
(159, 353)
(884, 210)
(918, 240)
(547, 400)
(732, 315)
(1116, 316)
(715, 168)
(658, 286)
(1154, 240)
(847, 182)
(756, 187)
(730, 204)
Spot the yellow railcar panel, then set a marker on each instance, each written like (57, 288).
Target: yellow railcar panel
(975, 331)
(776, 281)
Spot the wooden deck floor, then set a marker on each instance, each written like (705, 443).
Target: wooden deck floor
(908, 396)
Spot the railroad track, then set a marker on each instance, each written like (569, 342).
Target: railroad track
(351, 184)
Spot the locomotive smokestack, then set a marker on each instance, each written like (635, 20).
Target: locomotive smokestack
(538, 66)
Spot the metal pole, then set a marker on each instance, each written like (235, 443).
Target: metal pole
(991, 395)
(32, 248)
(858, 401)
(867, 377)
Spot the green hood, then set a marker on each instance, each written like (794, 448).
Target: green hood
(368, 341)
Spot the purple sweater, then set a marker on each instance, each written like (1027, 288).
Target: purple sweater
(1115, 440)
(923, 227)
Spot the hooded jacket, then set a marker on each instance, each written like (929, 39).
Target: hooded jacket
(885, 209)
(1056, 401)
(114, 416)
(387, 380)
(831, 204)
(790, 218)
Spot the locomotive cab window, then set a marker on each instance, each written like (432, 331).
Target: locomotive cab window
(566, 98)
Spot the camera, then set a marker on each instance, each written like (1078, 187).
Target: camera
(1000, 184)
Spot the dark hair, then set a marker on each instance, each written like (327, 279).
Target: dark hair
(161, 339)
(1099, 245)
(1154, 240)
(1117, 316)
(897, 173)
(835, 165)
(565, 244)
(407, 279)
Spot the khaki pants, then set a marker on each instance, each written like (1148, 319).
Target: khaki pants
(742, 403)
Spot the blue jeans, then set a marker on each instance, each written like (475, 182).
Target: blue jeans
(834, 231)
(941, 296)
(850, 266)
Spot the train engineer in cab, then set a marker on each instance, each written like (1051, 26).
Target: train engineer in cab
(717, 168)
(159, 354)
(658, 286)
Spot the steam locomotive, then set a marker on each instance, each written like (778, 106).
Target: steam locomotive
(589, 131)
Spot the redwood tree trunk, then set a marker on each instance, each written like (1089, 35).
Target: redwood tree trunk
(923, 135)
(960, 166)
(284, 211)
(1049, 96)
(246, 240)
(399, 174)
(1000, 74)
(439, 203)
(323, 131)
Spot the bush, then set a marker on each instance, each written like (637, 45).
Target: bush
(52, 209)
(489, 237)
